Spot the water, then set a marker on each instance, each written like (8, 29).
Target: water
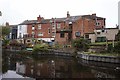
(57, 67)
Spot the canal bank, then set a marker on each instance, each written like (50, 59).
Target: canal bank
(99, 58)
(89, 57)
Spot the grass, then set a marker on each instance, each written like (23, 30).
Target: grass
(103, 54)
(101, 43)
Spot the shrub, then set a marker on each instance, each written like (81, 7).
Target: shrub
(80, 44)
(117, 47)
(40, 47)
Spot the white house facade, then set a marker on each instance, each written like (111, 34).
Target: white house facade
(22, 30)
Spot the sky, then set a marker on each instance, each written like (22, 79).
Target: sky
(16, 11)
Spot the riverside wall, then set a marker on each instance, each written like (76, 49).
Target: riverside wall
(90, 57)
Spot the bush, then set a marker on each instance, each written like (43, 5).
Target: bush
(110, 48)
(80, 44)
(40, 47)
(117, 47)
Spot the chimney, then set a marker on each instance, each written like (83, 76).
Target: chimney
(94, 14)
(39, 18)
(7, 24)
(68, 15)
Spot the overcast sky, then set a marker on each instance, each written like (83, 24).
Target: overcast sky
(16, 11)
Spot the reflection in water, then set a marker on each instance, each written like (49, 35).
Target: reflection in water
(61, 67)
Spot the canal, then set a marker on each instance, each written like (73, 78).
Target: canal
(56, 67)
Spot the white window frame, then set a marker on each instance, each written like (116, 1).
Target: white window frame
(53, 26)
(53, 35)
(33, 27)
(40, 34)
(58, 25)
(39, 26)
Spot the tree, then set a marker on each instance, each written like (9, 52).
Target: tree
(118, 36)
(117, 47)
(5, 31)
(80, 44)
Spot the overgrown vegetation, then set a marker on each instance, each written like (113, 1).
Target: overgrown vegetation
(5, 31)
(40, 48)
(80, 44)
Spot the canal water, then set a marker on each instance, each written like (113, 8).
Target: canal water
(56, 67)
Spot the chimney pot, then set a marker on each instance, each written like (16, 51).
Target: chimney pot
(94, 14)
(68, 15)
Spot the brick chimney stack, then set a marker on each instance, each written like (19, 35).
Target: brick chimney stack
(39, 18)
(68, 15)
(7, 24)
(94, 14)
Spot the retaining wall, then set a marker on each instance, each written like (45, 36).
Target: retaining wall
(110, 59)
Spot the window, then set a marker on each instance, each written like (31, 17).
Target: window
(58, 25)
(39, 26)
(53, 34)
(98, 32)
(53, 26)
(101, 39)
(40, 34)
(48, 31)
(103, 30)
(20, 36)
(87, 36)
(62, 35)
(97, 23)
(77, 34)
(33, 33)
(20, 28)
(33, 27)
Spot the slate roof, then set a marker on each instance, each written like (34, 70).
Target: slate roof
(93, 17)
(70, 19)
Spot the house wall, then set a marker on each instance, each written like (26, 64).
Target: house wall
(22, 30)
(111, 34)
(92, 37)
(84, 25)
(61, 40)
(44, 30)
(108, 33)
(119, 14)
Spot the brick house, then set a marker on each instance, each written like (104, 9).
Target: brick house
(73, 27)
(61, 30)
(38, 30)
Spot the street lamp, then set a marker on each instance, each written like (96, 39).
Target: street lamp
(0, 13)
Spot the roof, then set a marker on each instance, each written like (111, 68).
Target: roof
(28, 22)
(64, 19)
(93, 17)
(107, 28)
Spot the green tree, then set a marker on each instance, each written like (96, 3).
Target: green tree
(118, 36)
(117, 47)
(5, 31)
(80, 44)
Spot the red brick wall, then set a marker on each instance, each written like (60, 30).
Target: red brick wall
(61, 40)
(85, 26)
(44, 30)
